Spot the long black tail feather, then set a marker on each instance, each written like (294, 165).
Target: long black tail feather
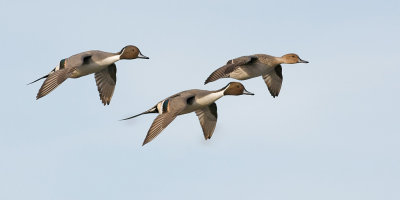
(151, 110)
(38, 79)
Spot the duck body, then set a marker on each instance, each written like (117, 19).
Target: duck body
(251, 68)
(246, 67)
(98, 62)
(202, 102)
(191, 100)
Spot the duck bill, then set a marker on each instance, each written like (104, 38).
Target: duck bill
(302, 61)
(247, 92)
(142, 56)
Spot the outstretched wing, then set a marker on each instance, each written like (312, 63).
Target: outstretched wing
(105, 81)
(159, 124)
(231, 65)
(274, 80)
(53, 80)
(208, 119)
(171, 108)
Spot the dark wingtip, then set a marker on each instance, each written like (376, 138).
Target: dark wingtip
(38, 96)
(145, 142)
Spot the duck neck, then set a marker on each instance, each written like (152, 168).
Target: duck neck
(120, 54)
(219, 93)
(215, 95)
(110, 60)
(279, 60)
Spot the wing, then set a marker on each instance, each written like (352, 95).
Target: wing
(231, 65)
(159, 124)
(105, 81)
(53, 80)
(274, 80)
(171, 108)
(208, 119)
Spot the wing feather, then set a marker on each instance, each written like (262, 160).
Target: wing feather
(231, 65)
(274, 80)
(174, 106)
(159, 124)
(105, 81)
(53, 80)
(208, 119)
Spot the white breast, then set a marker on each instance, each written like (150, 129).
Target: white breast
(210, 98)
(108, 61)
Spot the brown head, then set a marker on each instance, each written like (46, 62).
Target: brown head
(292, 58)
(131, 52)
(236, 88)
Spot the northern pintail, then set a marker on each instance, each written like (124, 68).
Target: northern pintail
(199, 101)
(246, 67)
(101, 63)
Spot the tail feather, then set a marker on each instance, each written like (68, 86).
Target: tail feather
(38, 79)
(151, 110)
(52, 71)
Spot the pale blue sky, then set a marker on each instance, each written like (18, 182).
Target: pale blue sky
(333, 132)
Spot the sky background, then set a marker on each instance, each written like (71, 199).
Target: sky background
(333, 132)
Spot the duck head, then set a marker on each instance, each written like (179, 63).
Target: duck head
(236, 88)
(292, 58)
(131, 52)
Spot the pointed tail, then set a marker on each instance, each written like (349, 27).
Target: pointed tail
(151, 110)
(38, 79)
